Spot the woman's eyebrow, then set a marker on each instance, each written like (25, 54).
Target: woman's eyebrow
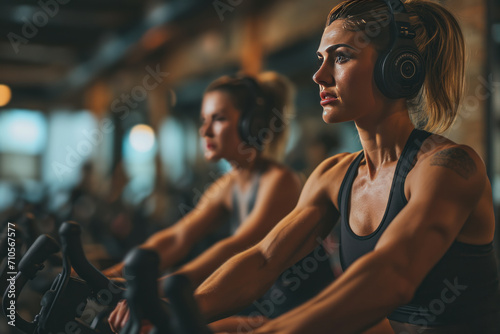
(335, 47)
(215, 113)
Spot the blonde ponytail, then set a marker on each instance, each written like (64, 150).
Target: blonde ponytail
(441, 43)
(281, 92)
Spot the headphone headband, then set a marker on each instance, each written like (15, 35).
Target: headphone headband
(396, 6)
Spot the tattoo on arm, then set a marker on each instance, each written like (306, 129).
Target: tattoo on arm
(456, 159)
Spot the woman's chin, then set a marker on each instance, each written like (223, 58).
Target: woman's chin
(211, 157)
(330, 117)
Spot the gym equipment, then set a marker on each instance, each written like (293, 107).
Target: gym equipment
(180, 316)
(186, 316)
(141, 269)
(63, 305)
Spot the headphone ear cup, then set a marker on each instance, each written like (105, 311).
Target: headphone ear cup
(256, 117)
(400, 73)
(259, 125)
(244, 126)
(251, 124)
(380, 74)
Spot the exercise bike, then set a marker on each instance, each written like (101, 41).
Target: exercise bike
(63, 305)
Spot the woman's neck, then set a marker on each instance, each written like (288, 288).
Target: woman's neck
(383, 142)
(246, 168)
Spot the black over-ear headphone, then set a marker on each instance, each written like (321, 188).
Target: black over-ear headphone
(255, 116)
(399, 71)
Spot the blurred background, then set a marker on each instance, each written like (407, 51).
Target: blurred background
(100, 99)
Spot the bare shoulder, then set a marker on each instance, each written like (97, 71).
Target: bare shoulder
(449, 182)
(447, 169)
(326, 179)
(462, 160)
(278, 175)
(334, 167)
(218, 192)
(225, 181)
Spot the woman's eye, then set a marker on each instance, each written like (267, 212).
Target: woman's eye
(341, 58)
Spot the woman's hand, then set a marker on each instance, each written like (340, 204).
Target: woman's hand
(119, 317)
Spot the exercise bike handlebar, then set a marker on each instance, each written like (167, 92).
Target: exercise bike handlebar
(186, 315)
(142, 270)
(33, 260)
(70, 233)
(31, 263)
(180, 316)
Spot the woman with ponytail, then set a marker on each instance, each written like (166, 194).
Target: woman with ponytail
(244, 121)
(415, 208)
(255, 194)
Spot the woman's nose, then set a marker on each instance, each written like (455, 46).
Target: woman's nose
(324, 76)
(206, 129)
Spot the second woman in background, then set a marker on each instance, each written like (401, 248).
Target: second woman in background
(244, 121)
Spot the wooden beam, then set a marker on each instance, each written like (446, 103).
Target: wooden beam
(252, 49)
(37, 54)
(32, 74)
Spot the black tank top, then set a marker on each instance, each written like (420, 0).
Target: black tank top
(463, 285)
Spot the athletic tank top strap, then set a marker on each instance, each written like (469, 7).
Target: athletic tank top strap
(407, 160)
(243, 203)
(347, 182)
(353, 246)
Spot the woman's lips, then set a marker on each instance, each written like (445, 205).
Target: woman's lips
(328, 97)
(328, 100)
(210, 146)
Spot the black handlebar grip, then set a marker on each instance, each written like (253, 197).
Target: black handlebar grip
(187, 318)
(32, 261)
(142, 271)
(142, 264)
(42, 248)
(70, 239)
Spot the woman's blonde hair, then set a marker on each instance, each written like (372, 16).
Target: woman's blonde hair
(439, 40)
(282, 93)
(279, 95)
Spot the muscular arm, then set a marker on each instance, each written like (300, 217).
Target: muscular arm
(246, 276)
(446, 190)
(175, 242)
(277, 196)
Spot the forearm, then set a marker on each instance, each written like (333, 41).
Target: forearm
(234, 285)
(171, 248)
(204, 265)
(114, 271)
(359, 299)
